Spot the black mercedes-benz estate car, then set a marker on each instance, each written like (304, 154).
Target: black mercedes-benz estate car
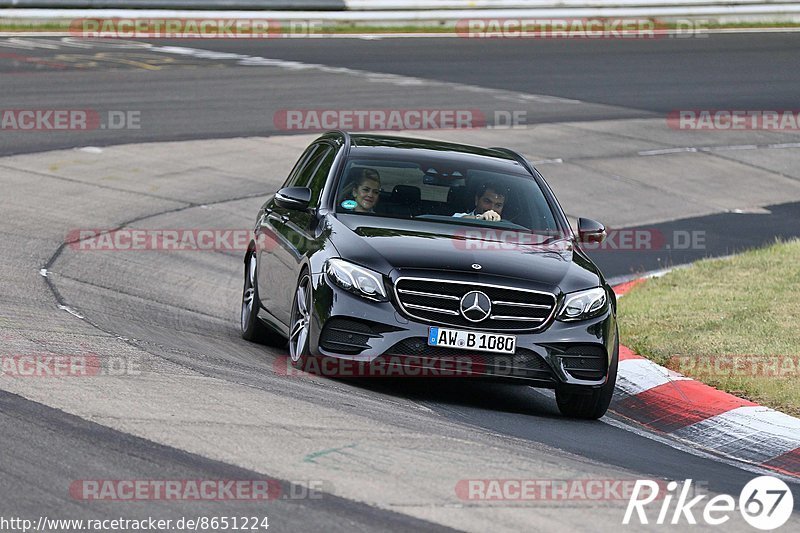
(427, 253)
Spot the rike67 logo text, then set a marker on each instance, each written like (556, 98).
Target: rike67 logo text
(766, 503)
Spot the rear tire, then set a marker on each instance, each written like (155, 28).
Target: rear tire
(253, 329)
(593, 404)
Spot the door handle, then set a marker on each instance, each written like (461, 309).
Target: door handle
(284, 219)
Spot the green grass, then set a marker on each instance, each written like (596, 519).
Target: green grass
(733, 323)
(43, 26)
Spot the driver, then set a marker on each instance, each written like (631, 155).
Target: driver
(489, 202)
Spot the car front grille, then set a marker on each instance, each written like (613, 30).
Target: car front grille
(439, 302)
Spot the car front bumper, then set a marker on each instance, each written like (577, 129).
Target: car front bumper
(573, 354)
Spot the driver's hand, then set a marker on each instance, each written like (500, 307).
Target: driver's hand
(489, 215)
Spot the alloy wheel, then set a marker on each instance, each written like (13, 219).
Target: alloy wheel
(301, 320)
(248, 294)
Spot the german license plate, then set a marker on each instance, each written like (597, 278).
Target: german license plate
(471, 340)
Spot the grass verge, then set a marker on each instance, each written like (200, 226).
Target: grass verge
(733, 323)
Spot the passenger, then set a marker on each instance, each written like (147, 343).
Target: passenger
(489, 202)
(365, 192)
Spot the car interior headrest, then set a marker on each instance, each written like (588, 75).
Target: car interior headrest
(459, 199)
(406, 194)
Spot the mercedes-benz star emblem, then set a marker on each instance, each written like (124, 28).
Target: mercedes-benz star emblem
(476, 306)
(476, 266)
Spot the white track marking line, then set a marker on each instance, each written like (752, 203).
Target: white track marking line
(257, 61)
(663, 151)
(71, 311)
(723, 148)
(377, 77)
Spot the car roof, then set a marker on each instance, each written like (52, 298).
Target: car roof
(387, 146)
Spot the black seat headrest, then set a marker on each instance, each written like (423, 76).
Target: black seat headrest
(459, 199)
(406, 195)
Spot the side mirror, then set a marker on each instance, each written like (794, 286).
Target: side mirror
(591, 230)
(297, 198)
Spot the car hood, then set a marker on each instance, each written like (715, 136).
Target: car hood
(404, 246)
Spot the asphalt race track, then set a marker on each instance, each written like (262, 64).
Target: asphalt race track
(183, 97)
(386, 454)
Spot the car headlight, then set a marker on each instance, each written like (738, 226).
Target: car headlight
(583, 304)
(356, 279)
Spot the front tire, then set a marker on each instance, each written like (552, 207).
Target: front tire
(300, 322)
(591, 405)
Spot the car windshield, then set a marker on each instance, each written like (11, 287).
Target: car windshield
(446, 192)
